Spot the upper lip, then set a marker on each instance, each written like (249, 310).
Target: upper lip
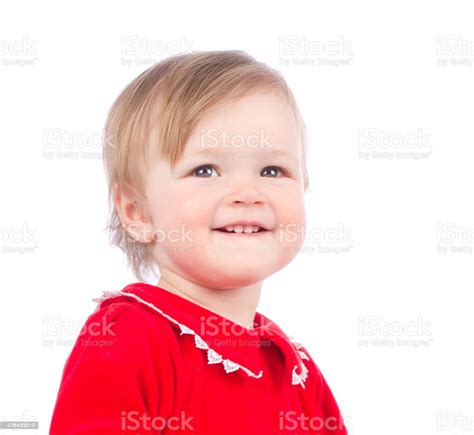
(243, 224)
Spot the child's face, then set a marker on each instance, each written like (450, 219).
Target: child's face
(225, 175)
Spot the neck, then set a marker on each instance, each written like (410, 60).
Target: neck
(237, 304)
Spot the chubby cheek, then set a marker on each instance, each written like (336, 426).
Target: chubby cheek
(181, 212)
(190, 255)
(291, 226)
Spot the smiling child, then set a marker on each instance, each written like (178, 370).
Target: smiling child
(205, 156)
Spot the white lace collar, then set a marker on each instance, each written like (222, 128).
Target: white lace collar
(298, 376)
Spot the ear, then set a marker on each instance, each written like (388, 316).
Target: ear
(133, 216)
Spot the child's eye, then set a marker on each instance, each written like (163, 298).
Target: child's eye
(205, 173)
(274, 169)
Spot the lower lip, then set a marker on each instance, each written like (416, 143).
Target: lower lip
(253, 234)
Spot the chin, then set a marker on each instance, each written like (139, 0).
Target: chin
(228, 277)
(227, 283)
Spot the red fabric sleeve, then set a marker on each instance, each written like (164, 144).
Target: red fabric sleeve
(331, 421)
(334, 422)
(112, 377)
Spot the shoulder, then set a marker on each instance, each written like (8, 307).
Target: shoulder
(121, 360)
(314, 371)
(324, 397)
(311, 373)
(126, 318)
(122, 335)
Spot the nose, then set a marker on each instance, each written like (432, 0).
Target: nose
(246, 196)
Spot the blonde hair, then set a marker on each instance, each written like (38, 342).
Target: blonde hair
(165, 102)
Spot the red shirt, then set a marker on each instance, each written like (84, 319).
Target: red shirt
(148, 361)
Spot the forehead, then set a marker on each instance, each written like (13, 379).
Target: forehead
(233, 152)
(262, 122)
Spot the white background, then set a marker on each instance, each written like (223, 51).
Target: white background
(390, 256)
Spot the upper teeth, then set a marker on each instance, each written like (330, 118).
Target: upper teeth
(240, 228)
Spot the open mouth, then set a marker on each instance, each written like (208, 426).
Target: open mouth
(242, 231)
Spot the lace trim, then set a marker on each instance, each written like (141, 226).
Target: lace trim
(213, 357)
(300, 378)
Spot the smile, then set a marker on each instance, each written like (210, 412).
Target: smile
(239, 231)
